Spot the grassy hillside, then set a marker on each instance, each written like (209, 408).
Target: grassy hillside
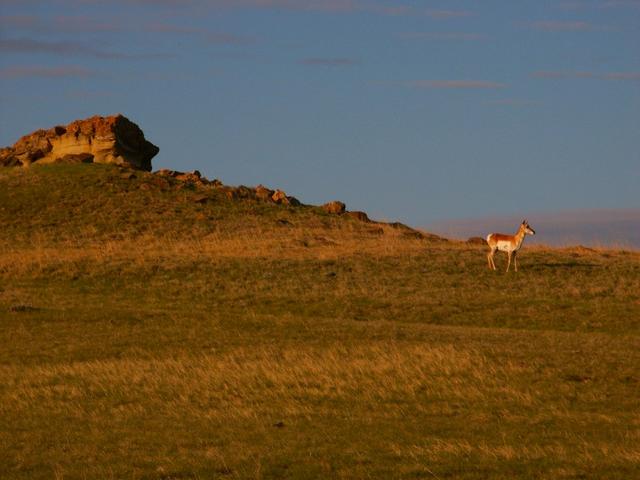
(148, 333)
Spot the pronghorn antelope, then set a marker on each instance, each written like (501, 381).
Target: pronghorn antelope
(508, 243)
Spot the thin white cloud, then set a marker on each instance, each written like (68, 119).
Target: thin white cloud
(309, 5)
(444, 14)
(29, 45)
(19, 21)
(455, 84)
(562, 26)
(221, 38)
(162, 27)
(86, 24)
(512, 102)
(621, 76)
(379, 7)
(76, 24)
(620, 4)
(32, 46)
(330, 62)
(563, 75)
(23, 71)
(444, 36)
(571, 5)
(329, 6)
(570, 26)
(610, 4)
(63, 23)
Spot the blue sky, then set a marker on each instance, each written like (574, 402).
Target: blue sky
(415, 111)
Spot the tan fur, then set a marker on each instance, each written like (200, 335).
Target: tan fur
(508, 243)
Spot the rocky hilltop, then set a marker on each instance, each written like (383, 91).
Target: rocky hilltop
(117, 140)
(113, 139)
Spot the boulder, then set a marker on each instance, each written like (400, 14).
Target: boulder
(293, 201)
(265, 194)
(165, 172)
(335, 207)
(280, 197)
(243, 191)
(188, 178)
(191, 177)
(114, 139)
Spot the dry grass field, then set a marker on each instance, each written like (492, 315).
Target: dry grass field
(145, 335)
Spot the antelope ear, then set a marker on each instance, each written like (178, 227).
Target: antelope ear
(524, 222)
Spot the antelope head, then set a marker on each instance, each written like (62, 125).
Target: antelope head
(527, 229)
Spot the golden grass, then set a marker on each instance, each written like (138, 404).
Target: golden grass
(40, 257)
(267, 342)
(380, 383)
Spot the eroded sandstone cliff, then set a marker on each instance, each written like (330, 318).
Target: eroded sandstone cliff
(113, 139)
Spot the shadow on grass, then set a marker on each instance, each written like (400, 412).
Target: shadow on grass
(539, 266)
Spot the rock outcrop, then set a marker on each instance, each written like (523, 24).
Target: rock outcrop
(335, 207)
(117, 140)
(264, 193)
(114, 139)
(361, 216)
(194, 177)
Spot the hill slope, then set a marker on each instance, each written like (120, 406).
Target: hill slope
(150, 333)
(84, 204)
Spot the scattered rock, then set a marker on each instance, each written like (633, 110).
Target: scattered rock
(335, 207)
(264, 193)
(192, 177)
(229, 192)
(161, 183)
(279, 197)
(201, 199)
(361, 216)
(114, 139)
(75, 158)
(244, 192)
(165, 172)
